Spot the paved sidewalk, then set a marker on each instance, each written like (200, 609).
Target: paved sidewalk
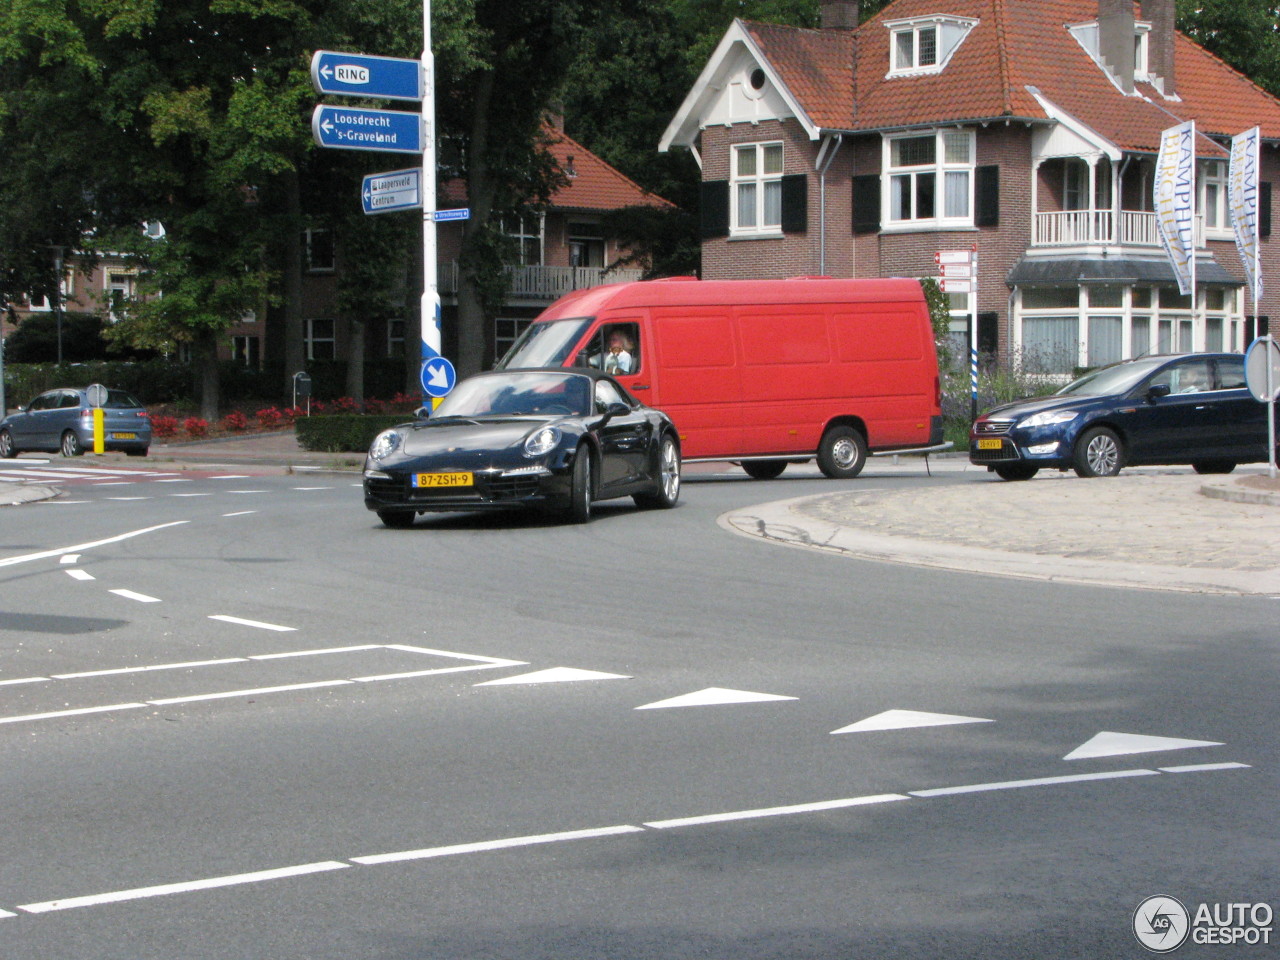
(1160, 528)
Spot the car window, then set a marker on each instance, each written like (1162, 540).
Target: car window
(607, 393)
(1190, 376)
(46, 401)
(1231, 373)
(68, 400)
(120, 400)
(615, 349)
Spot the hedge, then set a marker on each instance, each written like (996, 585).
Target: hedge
(344, 432)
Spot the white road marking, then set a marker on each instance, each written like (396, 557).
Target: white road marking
(1203, 767)
(776, 811)
(80, 575)
(61, 503)
(130, 595)
(176, 480)
(8, 683)
(487, 845)
(70, 558)
(251, 623)
(62, 551)
(191, 494)
(554, 675)
(536, 839)
(429, 673)
(139, 893)
(114, 483)
(1110, 744)
(231, 476)
(318, 652)
(259, 691)
(72, 713)
(713, 696)
(313, 488)
(239, 513)
(1038, 782)
(155, 666)
(130, 498)
(246, 491)
(905, 720)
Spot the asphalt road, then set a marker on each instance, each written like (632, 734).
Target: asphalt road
(239, 718)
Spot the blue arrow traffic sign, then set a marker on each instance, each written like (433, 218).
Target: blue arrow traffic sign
(460, 213)
(357, 75)
(396, 190)
(438, 377)
(354, 128)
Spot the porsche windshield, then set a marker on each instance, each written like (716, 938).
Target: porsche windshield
(545, 344)
(518, 394)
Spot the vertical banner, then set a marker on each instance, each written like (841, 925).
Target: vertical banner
(1242, 193)
(1175, 202)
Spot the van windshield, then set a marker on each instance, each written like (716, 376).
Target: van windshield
(545, 344)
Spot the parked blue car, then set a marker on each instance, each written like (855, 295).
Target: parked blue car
(1192, 408)
(62, 420)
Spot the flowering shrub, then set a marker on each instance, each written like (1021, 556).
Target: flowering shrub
(269, 417)
(292, 414)
(317, 407)
(345, 405)
(374, 405)
(164, 427)
(235, 420)
(195, 426)
(406, 401)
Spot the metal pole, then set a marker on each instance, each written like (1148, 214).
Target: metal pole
(429, 310)
(57, 297)
(973, 335)
(1271, 404)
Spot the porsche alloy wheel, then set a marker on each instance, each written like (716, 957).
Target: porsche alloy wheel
(580, 495)
(667, 487)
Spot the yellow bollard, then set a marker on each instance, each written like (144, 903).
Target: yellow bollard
(99, 435)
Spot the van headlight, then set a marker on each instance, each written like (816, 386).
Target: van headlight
(384, 444)
(542, 441)
(1049, 418)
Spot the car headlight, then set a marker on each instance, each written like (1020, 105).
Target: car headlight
(384, 444)
(1049, 417)
(542, 441)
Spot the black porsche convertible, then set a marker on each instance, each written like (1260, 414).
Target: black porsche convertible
(558, 439)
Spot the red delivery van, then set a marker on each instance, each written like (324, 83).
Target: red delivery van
(760, 372)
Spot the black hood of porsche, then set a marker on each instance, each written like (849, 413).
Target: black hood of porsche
(461, 435)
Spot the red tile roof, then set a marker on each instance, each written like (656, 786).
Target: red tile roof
(1015, 46)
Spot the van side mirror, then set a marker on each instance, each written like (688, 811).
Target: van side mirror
(1158, 390)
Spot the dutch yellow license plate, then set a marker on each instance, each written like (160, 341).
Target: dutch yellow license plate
(125, 436)
(990, 443)
(443, 480)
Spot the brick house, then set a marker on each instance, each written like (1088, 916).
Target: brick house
(1025, 131)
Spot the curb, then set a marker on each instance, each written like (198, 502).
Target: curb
(15, 494)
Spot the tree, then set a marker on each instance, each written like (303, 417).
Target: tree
(1244, 33)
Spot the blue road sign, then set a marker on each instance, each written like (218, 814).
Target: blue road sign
(396, 190)
(354, 128)
(461, 213)
(438, 377)
(356, 75)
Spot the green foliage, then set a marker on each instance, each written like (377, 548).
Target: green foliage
(342, 433)
(1241, 32)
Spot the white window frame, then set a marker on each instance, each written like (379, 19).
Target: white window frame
(523, 229)
(763, 182)
(938, 169)
(1214, 172)
(311, 339)
(948, 33)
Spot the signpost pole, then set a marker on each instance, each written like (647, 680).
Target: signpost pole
(973, 337)
(1271, 405)
(429, 312)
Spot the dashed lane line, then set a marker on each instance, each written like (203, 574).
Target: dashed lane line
(594, 833)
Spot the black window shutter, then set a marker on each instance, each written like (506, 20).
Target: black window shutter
(987, 196)
(714, 209)
(795, 203)
(1264, 209)
(866, 203)
(988, 333)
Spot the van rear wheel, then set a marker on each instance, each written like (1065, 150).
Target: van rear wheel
(842, 453)
(764, 469)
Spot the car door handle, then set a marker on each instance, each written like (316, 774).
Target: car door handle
(639, 386)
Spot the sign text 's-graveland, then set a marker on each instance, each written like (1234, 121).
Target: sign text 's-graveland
(352, 128)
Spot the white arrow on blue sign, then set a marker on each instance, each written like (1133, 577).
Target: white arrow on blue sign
(461, 213)
(357, 75)
(355, 128)
(438, 377)
(395, 190)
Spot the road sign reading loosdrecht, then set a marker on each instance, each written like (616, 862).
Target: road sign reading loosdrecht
(355, 128)
(358, 75)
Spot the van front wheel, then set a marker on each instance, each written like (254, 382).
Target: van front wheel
(842, 453)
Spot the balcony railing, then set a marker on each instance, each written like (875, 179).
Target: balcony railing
(1072, 228)
(543, 283)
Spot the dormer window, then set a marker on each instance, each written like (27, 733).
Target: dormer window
(924, 45)
(1140, 69)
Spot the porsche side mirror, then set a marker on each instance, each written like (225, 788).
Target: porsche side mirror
(1158, 390)
(616, 410)
(422, 413)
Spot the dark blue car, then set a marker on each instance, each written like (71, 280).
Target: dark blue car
(1190, 408)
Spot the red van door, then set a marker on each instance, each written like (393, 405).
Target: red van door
(701, 386)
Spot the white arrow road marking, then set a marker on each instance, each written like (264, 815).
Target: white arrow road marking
(713, 696)
(1110, 744)
(130, 595)
(555, 675)
(80, 574)
(906, 719)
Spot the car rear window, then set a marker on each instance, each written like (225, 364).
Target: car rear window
(120, 400)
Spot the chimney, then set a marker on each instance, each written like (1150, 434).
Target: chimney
(1116, 40)
(1160, 41)
(839, 14)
